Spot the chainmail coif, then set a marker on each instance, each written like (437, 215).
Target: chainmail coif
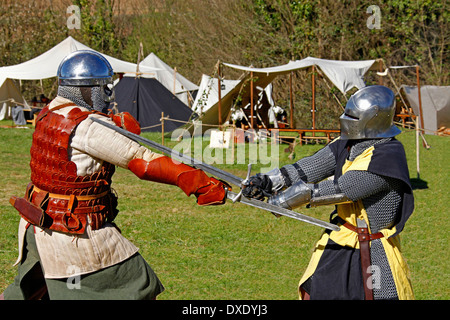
(74, 94)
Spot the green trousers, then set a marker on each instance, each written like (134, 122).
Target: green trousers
(132, 279)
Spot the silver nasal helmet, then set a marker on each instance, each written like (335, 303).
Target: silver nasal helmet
(369, 113)
(86, 68)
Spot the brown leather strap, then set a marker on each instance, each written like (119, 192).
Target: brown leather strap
(63, 213)
(364, 238)
(68, 197)
(41, 115)
(364, 249)
(369, 236)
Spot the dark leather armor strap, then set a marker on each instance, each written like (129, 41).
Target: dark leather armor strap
(364, 238)
(68, 214)
(364, 249)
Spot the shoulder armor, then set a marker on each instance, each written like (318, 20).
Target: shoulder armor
(126, 121)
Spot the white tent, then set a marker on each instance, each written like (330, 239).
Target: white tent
(206, 103)
(435, 105)
(181, 87)
(10, 96)
(168, 77)
(46, 65)
(208, 93)
(344, 74)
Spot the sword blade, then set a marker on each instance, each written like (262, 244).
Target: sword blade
(284, 212)
(228, 177)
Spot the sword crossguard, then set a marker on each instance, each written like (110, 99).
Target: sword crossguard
(244, 183)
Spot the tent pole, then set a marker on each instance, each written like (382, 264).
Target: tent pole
(174, 79)
(420, 98)
(251, 99)
(313, 99)
(380, 69)
(162, 128)
(291, 102)
(219, 89)
(417, 147)
(233, 137)
(141, 51)
(422, 132)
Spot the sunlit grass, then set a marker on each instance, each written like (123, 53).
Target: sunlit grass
(233, 251)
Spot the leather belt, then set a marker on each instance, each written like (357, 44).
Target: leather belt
(65, 213)
(364, 238)
(68, 197)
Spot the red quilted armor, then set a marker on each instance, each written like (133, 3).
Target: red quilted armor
(51, 169)
(67, 199)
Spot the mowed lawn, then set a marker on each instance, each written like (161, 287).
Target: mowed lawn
(233, 251)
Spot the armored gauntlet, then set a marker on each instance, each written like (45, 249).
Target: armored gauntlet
(264, 185)
(208, 190)
(293, 197)
(313, 195)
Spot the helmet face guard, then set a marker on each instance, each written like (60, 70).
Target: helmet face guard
(107, 92)
(369, 114)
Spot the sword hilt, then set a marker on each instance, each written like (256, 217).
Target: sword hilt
(244, 183)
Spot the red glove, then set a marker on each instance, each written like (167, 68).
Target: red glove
(208, 190)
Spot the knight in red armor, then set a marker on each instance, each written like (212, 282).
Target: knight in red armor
(69, 246)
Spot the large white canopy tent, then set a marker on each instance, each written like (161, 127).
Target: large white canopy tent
(345, 75)
(46, 65)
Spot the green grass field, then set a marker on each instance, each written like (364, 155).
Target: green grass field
(233, 251)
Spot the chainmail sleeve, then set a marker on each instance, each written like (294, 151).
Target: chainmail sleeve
(358, 185)
(310, 169)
